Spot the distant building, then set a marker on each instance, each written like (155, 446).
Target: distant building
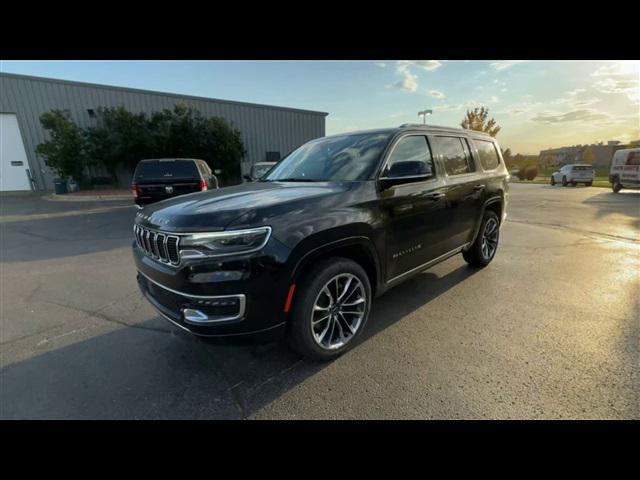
(598, 155)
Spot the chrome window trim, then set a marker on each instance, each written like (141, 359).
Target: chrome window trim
(388, 154)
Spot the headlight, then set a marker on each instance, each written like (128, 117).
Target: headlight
(212, 244)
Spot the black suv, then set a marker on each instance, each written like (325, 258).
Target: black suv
(162, 178)
(304, 250)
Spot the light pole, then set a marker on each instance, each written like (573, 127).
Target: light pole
(424, 114)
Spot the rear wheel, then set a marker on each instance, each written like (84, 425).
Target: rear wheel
(616, 186)
(331, 308)
(588, 184)
(485, 245)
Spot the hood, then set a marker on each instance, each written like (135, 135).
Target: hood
(215, 209)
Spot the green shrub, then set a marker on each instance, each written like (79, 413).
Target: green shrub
(531, 172)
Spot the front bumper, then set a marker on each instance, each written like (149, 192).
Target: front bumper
(221, 297)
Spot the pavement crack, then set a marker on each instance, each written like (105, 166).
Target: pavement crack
(98, 314)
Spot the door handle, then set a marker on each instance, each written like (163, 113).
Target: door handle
(478, 188)
(435, 196)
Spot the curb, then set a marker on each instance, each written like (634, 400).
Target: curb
(86, 198)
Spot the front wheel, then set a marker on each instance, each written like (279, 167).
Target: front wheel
(564, 181)
(485, 245)
(331, 308)
(553, 181)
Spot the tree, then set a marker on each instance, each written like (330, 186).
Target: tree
(477, 120)
(588, 155)
(184, 132)
(508, 157)
(121, 138)
(65, 152)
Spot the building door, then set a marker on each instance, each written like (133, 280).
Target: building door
(13, 157)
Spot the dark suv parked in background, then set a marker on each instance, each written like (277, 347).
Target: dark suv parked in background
(159, 179)
(304, 250)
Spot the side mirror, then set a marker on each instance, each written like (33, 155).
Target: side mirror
(247, 178)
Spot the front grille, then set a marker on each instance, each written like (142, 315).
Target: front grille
(159, 246)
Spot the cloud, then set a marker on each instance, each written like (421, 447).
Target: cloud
(452, 107)
(409, 80)
(626, 85)
(573, 93)
(579, 115)
(428, 65)
(519, 108)
(436, 94)
(505, 64)
(621, 67)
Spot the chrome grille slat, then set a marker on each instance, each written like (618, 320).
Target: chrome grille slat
(160, 246)
(157, 245)
(152, 244)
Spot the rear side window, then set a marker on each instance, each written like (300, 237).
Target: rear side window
(166, 169)
(580, 168)
(488, 154)
(455, 155)
(410, 157)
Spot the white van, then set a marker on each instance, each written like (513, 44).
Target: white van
(625, 169)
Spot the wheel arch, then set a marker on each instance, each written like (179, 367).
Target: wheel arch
(358, 248)
(495, 204)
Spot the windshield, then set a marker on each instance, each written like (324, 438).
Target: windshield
(348, 157)
(166, 168)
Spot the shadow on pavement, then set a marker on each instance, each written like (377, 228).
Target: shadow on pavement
(623, 203)
(143, 373)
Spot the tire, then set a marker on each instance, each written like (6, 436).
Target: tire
(552, 182)
(616, 186)
(588, 184)
(303, 335)
(564, 181)
(476, 255)
(573, 184)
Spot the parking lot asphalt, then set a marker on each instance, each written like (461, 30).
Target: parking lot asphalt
(551, 329)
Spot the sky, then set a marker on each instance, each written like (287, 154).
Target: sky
(538, 104)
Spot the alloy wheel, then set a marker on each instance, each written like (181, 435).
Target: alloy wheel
(338, 311)
(490, 238)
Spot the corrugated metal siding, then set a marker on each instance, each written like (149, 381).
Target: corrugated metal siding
(264, 128)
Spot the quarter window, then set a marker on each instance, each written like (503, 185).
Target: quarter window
(410, 157)
(455, 154)
(488, 154)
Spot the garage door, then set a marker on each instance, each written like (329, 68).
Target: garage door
(13, 157)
